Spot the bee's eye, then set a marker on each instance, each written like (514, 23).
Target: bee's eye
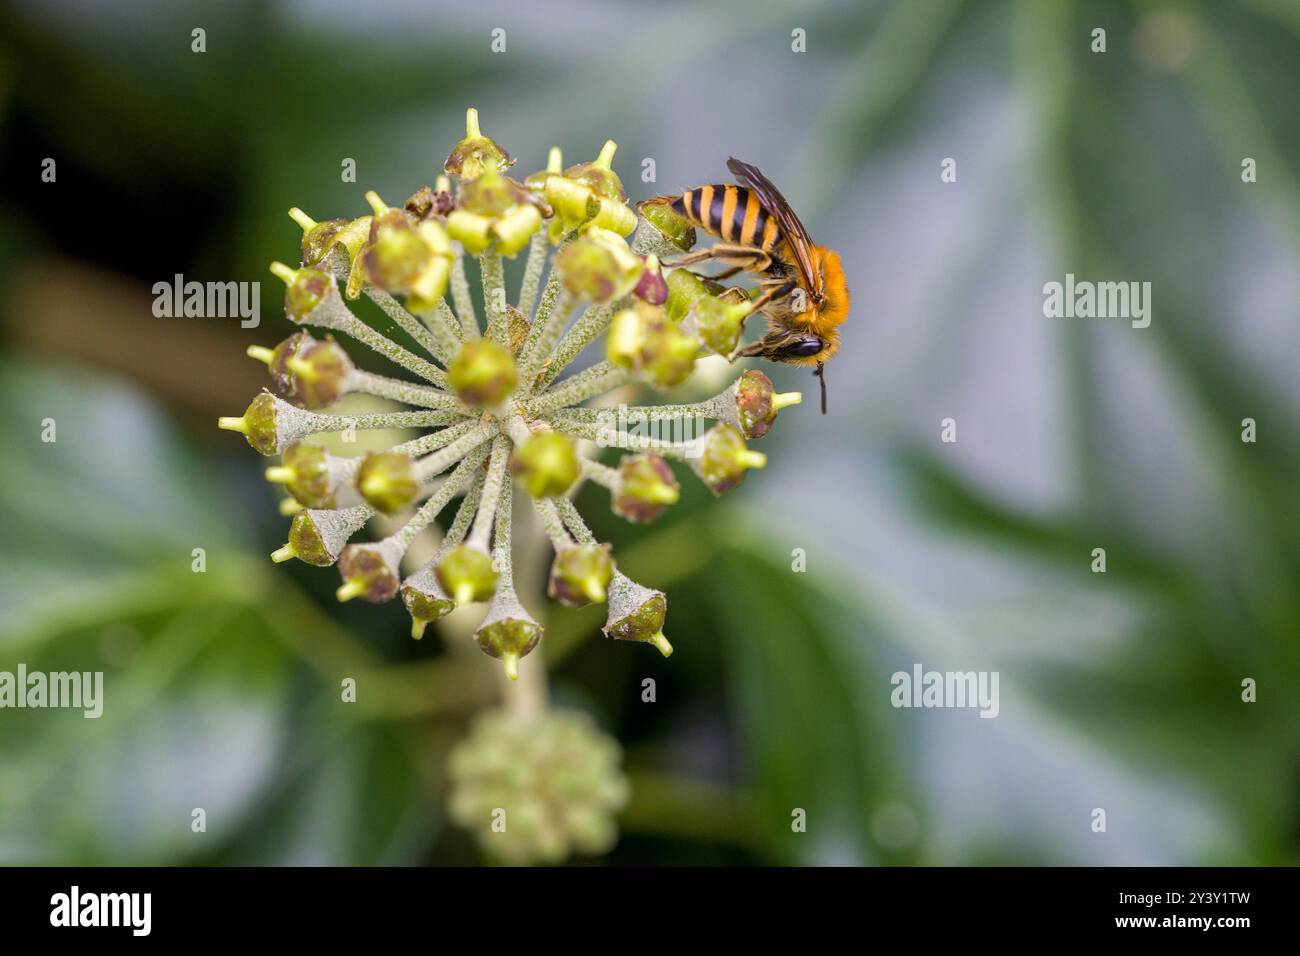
(803, 346)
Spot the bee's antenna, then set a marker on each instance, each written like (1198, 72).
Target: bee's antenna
(821, 374)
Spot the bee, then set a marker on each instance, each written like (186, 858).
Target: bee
(801, 285)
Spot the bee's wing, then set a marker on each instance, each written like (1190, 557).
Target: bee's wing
(775, 203)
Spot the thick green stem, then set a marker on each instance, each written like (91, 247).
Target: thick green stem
(590, 382)
(550, 518)
(460, 294)
(538, 247)
(455, 482)
(478, 537)
(492, 274)
(586, 330)
(432, 338)
(400, 390)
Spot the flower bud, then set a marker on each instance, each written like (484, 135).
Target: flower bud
(431, 284)
(646, 487)
(599, 266)
(387, 481)
(397, 254)
(599, 175)
(589, 195)
(317, 237)
(307, 288)
(757, 403)
(472, 230)
(271, 424)
(515, 228)
(668, 357)
(312, 371)
(652, 287)
(676, 230)
(558, 774)
(718, 324)
(466, 573)
(257, 424)
(725, 460)
(369, 572)
(508, 632)
(317, 536)
(482, 373)
(546, 464)
(636, 614)
(306, 474)
(641, 339)
(626, 338)
(685, 288)
(476, 154)
(535, 183)
(425, 599)
(580, 575)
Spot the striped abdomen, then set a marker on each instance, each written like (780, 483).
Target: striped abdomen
(732, 213)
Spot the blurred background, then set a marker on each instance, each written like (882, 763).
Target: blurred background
(1119, 690)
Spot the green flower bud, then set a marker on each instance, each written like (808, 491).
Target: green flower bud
(425, 599)
(757, 403)
(515, 228)
(685, 288)
(718, 324)
(668, 357)
(589, 195)
(557, 774)
(674, 229)
(508, 632)
(317, 237)
(312, 371)
(471, 230)
(580, 575)
(387, 481)
(536, 182)
(641, 339)
(546, 464)
(482, 373)
(397, 254)
(307, 288)
(646, 487)
(491, 195)
(257, 424)
(599, 175)
(476, 154)
(369, 572)
(271, 424)
(306, 473)
(636, 614)
(726, 459)
(466, 573)
(599, 266)
(626, 338)
(317, 536)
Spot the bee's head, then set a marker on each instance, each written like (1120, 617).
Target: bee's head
(833, 308)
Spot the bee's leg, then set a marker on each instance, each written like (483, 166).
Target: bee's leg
(743, 258)
(773, 290)
(821, 376)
